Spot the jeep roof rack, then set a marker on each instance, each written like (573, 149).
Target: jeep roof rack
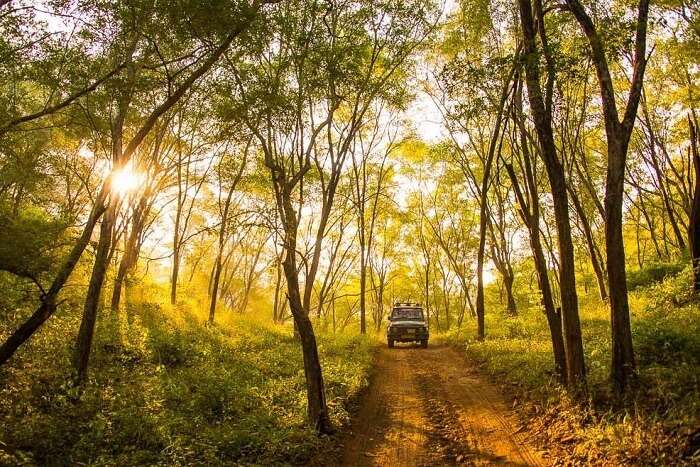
(414, 304)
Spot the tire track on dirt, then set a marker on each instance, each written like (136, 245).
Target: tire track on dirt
(427, 407)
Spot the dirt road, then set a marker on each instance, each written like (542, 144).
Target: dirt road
(426, 407)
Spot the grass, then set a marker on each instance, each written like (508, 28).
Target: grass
(166, 390)
(658, 423)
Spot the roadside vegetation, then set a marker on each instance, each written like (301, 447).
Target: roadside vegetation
(657, 423)
(169, 390)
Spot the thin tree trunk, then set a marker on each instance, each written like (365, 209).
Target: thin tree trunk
(661, 178)
(530, 212)
(104, 244)
(130, 256)
(590, 243)
(92, 299)
(541, 113)
(483, 215)
(363, 290)
(317, 409)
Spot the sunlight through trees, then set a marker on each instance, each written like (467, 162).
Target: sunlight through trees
(185, 182)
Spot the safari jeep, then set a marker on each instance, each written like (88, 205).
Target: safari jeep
(407, 324)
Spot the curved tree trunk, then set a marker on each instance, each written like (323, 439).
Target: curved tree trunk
(47, 306)
(317, 410)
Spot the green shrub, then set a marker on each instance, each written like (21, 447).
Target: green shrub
(165, 389)
(653, 273)
(652, 423)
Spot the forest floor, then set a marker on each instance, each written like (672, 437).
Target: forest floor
(429, 407)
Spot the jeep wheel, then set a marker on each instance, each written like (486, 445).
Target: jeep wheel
(391, 343)
(424, 343)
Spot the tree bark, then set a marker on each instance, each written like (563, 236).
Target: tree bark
(92, 298)
(530, 213)
(575, 366)
(623, 368)
(694, 222)
(317, 409)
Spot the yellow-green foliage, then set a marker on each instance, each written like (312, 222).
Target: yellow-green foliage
(165, 389)
(655, 422)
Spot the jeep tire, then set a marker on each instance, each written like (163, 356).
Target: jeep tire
(391, 343)
(424, 343)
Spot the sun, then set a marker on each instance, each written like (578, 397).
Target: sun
(488, 276)
(126, 180)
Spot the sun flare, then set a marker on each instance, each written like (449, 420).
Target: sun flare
(126, 180)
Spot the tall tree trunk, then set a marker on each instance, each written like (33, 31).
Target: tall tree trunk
(483, 215)
(104, 244)
(618, 134)
(623, 364)
(530, 213)
(317, 409)
(541, 113)
(363, 290)
(92, 298)
(218, 265)
(694, 222)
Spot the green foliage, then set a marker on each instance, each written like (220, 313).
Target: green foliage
(168, 390)
(652, 274)
(28, 241)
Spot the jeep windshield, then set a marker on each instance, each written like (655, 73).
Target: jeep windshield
(407, 314)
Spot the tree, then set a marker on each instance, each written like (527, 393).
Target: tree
(48, 300)
(225, 213)
(527, 195)
(541, 110)
(367, 192)
(618, 134)
(694, 223)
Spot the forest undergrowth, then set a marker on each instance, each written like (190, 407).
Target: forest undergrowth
(168, 390)
(658, 423)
